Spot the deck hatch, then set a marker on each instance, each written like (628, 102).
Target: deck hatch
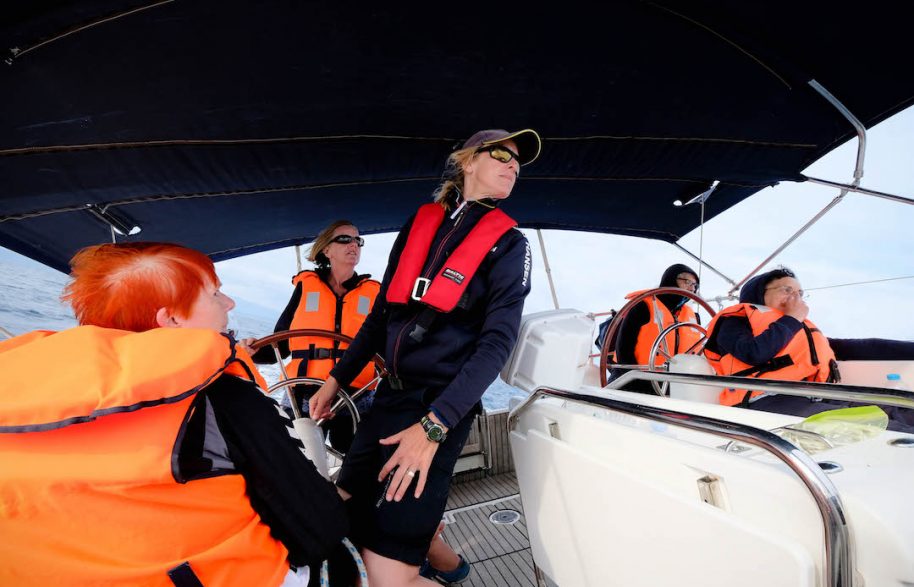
(502, 517)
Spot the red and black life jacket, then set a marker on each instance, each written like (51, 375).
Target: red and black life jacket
(443, 291)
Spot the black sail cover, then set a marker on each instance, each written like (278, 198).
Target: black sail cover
(238, 126)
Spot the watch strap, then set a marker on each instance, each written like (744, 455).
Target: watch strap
(433, 431)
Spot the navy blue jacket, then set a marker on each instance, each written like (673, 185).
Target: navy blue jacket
(464, 350)
(734, 335)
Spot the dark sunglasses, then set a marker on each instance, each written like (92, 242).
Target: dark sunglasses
(345, 239)
(499, 153)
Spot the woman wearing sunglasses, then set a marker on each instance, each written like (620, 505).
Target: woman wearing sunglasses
(331, 297)
(768, 335)
(445, 321)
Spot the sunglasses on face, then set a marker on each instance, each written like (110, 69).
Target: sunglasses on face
(345, 239)
(500, 153)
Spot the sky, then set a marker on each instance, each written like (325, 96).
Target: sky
(862, 239)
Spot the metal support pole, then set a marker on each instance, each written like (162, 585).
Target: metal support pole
(860, 190)
(704, 263)
(855, 122)
(788, 242)
(858, 174)
(555, 299)
(298, 259)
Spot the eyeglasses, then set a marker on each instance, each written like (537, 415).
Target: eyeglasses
(500, 153)
(789, 291)
(688, 283)
(345, 239)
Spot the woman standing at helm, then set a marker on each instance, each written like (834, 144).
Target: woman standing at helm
(445, 320)
(330, 297)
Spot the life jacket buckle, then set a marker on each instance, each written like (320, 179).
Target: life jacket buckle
(420, 287)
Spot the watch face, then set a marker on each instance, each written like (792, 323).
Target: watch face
(435, 433)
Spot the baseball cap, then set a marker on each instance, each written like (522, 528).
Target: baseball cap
(527, 141)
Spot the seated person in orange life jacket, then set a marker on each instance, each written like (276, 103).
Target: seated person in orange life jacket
(149, 438)
(331, 297)
(768, 335)
(644, 322)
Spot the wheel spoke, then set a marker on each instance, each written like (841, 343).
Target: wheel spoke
(286, 382)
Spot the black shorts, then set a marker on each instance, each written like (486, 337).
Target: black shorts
(400, 530)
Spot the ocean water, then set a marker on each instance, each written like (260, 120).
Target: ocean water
(30, 300)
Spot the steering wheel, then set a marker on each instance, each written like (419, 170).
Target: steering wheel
(659, 347)
(344, 399)
(611, 340)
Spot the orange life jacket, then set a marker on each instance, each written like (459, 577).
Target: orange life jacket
(443, 291)
(679, 341)
(88, 486)
(807, 357)
(321, 309)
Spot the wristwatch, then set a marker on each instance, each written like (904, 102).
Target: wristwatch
(433, 431)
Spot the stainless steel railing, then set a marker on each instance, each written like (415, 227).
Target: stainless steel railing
(839, 563)
(838, 391)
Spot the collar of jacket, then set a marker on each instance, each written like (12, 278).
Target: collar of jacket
(349, 284)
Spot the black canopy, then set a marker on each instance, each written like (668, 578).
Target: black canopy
(238, 126)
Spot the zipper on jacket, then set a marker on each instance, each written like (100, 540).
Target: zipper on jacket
(444, 241)
(431, 265)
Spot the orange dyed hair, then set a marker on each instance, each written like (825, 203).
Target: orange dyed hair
(123, 285)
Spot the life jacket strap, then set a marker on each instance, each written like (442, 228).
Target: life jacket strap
(773, 364)
(314, 353)
(428, 315)
(183, 576)
(813, 355)
(834, 375)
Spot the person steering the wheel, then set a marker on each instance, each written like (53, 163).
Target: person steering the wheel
(330, 297)
(643, 323)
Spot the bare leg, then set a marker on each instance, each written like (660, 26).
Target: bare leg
(387, 572)
(440, 554)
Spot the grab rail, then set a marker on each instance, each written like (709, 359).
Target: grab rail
(838, 391)
(839, 565)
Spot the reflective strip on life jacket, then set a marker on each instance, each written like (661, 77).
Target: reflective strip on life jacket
(449, 283)
(314, 356)
(806, 357)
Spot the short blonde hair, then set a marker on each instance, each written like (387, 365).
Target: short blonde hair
(316, 252)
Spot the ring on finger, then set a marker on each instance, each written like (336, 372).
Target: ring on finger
(410, 473)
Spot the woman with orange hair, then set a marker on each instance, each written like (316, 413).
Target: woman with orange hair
(150, 436)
